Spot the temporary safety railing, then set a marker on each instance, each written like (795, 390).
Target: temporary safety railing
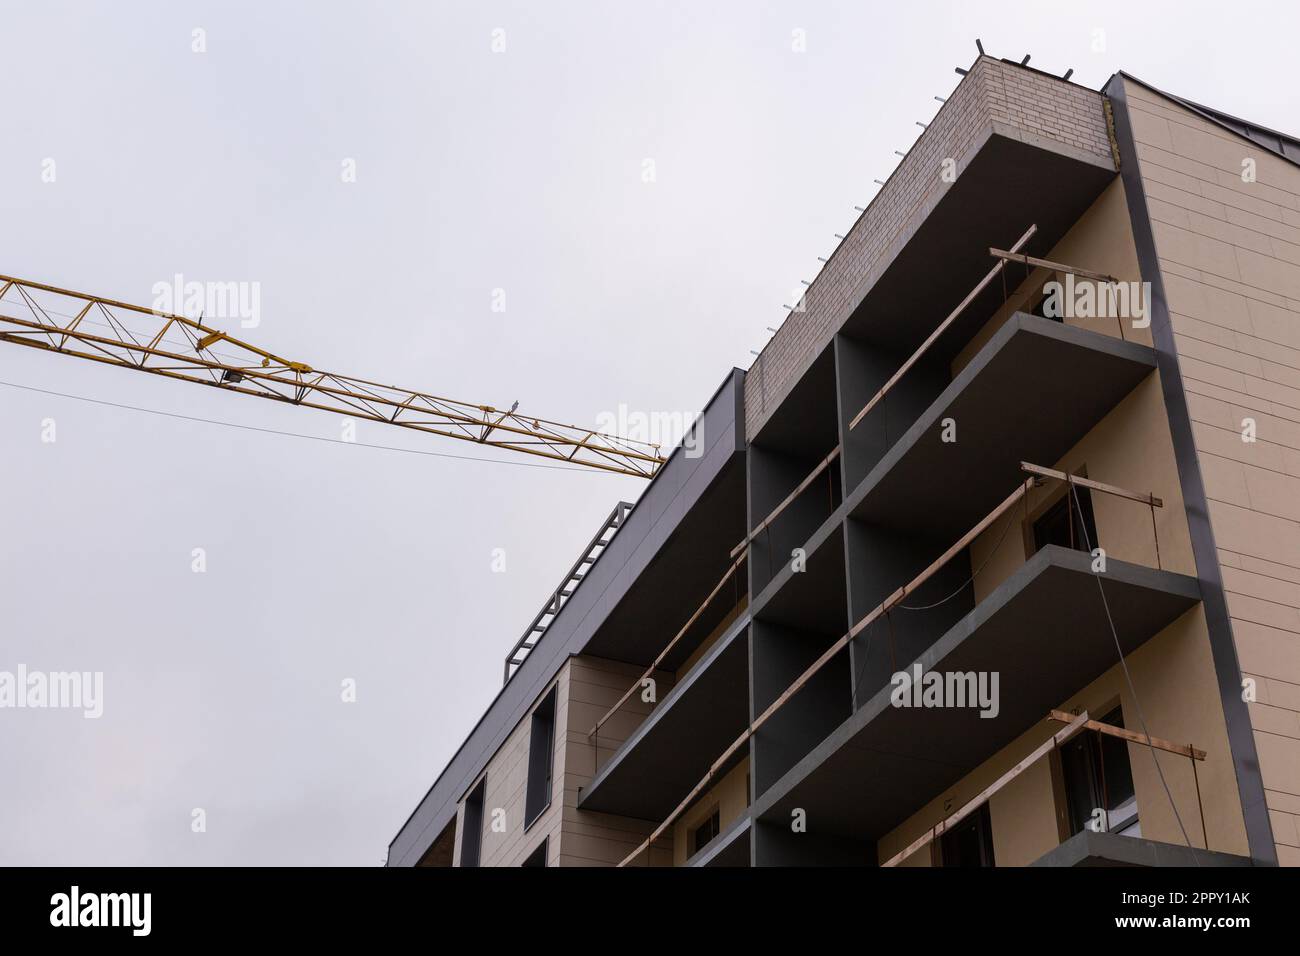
(546, 616)
(1038, 474)
(787, 501)
(1004, 256)
(941, 328)
(1075, 724)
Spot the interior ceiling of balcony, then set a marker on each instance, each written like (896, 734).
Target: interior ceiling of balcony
(804, 423)
(686, 569)
(1006, 188)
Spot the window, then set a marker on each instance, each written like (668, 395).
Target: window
(1067, 523)
(1099, 781)
(538, 856)
(473, 838)
(541, 752)
(970, 842)
(703, 834)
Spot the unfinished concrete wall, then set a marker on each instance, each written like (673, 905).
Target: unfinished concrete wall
(1229, 252)
(993, 98)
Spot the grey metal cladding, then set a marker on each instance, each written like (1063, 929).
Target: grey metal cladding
(671, 494)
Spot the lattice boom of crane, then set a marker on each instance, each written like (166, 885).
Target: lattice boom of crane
(130, 336)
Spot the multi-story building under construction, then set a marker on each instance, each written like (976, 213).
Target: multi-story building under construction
(991, 558)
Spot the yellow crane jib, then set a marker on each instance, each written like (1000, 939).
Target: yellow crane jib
(116, 333)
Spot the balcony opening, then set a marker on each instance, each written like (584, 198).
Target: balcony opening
(969, 843)
(1098, 782)
(781, 654)
(471, 842)
(881, 560)
(541, 752)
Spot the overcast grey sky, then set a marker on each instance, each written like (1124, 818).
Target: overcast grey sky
(476, 170)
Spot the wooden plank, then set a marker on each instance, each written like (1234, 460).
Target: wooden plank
(1015, 256)
(654, 665)
(1076, 724)
(1146, 499)
(1184, 750)
(789, 499)
(689, 799)
(952, 317)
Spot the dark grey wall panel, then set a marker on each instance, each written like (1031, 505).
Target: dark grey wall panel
(881, 561)
(863, 370)
(779, 655)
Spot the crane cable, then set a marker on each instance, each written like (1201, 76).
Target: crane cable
(289, 434)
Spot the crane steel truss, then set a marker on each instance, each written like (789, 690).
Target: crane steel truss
(130, 336)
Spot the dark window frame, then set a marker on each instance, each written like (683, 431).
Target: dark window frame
(711, 821)
(978, 824)
(1107, 777)
(541, 759)
(471, 841)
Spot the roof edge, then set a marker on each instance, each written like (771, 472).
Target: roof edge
(1283, 145)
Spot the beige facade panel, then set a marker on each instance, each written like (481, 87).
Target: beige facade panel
(585, 688)
(1225, 222)
(600, 839)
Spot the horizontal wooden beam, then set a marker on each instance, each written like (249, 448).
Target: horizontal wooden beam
(1146, 499)
(1011, 256)
(1183, 750)
(1076, 724)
